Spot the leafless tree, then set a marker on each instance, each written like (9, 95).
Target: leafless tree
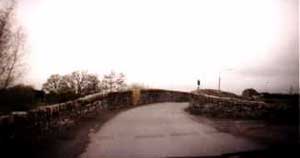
(83, 82)
(91, 84)
(54, 84)
(113, 82)
(11, 45)
(78, 82)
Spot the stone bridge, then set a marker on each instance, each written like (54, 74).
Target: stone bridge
(35, 125)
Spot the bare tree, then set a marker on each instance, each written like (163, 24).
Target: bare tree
(83, 82)
(54, 84)
(11, 44)
(113, 82)
(91, 84)
(78, 82)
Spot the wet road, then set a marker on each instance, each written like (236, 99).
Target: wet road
(161, 130)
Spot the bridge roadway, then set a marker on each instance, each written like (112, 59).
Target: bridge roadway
(161, 130)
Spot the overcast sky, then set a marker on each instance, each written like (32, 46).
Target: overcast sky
(166, 43)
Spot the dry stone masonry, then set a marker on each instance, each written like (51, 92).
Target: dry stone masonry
(47, 121)
(43, 122)
(236, 108)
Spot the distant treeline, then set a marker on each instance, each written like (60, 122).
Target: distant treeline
(59, 88)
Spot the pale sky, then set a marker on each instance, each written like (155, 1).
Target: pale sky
(166, 43)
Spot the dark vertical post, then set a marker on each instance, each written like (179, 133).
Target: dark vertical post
(219, 86)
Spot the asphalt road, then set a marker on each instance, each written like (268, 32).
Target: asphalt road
(161, 130)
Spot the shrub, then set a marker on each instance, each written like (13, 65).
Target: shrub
(20, 97)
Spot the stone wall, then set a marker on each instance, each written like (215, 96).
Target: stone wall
(47, 121)
(235, 108)
(157, 95)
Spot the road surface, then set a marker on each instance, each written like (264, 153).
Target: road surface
(161, 130)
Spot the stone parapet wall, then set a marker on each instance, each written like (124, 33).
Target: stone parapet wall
(157, 95)
(235, 108)
(53, 120)
(47, 121)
